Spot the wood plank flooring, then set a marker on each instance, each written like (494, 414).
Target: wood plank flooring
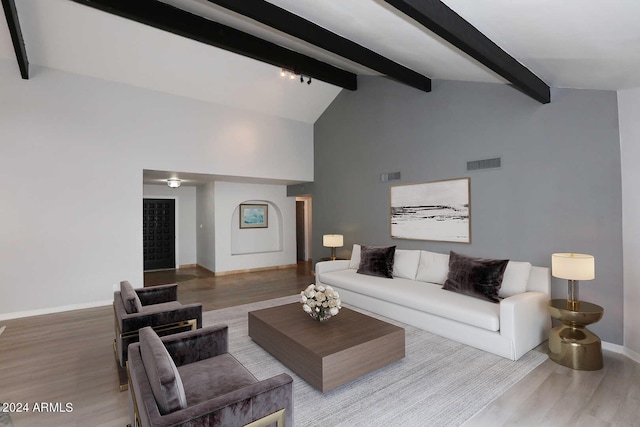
(68, 358)
(553, 395)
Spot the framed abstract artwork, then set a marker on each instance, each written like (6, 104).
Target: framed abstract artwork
(254, 216)
(437, 210)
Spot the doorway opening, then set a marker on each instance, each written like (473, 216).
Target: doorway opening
(303, 228)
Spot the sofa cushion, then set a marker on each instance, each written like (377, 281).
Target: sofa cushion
(405, 263)
(212, 377)
(355, 257)
(476, 277)
(515, 279)
(433, 267)
(420, 296)
(162, 373)
(377, 261)
(130, 298)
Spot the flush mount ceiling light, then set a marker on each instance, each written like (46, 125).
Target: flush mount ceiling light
(174, 182)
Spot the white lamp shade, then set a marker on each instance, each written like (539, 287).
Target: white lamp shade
(333, 240)
(573, 266)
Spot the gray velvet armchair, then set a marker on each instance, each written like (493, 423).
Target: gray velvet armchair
(190, 379)
(156, 307)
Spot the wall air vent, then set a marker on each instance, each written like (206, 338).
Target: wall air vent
(391, 176)
(477, 165)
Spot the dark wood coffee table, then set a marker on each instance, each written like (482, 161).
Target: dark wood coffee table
(326, 354)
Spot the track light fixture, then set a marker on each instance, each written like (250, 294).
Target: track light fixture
(292, 75)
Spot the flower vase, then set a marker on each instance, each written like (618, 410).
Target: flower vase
(321, 317)
(320, 302)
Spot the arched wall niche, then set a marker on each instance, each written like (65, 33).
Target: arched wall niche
(257, 240)
(247, 249)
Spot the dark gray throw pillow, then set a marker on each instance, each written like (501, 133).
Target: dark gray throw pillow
(130, 298)
(162, 373)
(476, 277)
(377, 260)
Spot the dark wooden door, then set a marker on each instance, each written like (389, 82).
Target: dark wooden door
(300, 231)
(158, 233)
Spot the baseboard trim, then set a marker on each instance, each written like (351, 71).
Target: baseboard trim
(52, 310)
(187, 266)
(205, 268)
(255, 270)
(632, 355)
(615, 348)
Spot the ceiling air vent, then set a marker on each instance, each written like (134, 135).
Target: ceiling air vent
(391, 176)
(476, 165)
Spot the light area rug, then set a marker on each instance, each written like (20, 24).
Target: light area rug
(440, 382)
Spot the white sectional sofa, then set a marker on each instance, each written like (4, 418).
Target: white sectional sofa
(510, 328)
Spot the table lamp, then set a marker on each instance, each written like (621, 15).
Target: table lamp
(573, 267)
(333, 241)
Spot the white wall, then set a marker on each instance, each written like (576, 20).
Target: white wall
(185, 198)
(254, 248)
(72, 152)
(629, 114)
(206, 232)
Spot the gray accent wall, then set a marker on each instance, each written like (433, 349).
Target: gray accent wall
(559, 188)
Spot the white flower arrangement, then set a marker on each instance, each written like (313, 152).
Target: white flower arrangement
(320, 302)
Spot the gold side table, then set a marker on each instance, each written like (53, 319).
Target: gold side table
(572, 344)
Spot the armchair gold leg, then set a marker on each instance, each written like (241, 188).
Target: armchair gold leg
(178, 327)
(123, 378)
(276, 417)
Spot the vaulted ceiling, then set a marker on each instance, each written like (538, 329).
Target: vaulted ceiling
(538, 43)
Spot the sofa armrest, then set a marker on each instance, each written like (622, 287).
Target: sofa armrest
(158, 294)
(265, 397)
(539, 280)
(129, 322)
(192, 346)
(329, 266)
(525, 320)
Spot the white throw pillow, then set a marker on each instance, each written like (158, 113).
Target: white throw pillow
(355, 257)
(515, 279)
(433, 267)
(405, 263)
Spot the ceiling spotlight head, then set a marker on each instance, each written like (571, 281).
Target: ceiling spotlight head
(301, 78)
(309, 81)
(292, 76)
(174, 182)
(283, 73)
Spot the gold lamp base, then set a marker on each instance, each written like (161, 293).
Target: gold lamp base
(572, 344)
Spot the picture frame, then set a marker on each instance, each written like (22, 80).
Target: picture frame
(435, 211)
(254, 215)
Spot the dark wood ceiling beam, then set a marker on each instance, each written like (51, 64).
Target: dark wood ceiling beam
(16, 37)
(177, 21)
(296, 26)
(440, 19)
